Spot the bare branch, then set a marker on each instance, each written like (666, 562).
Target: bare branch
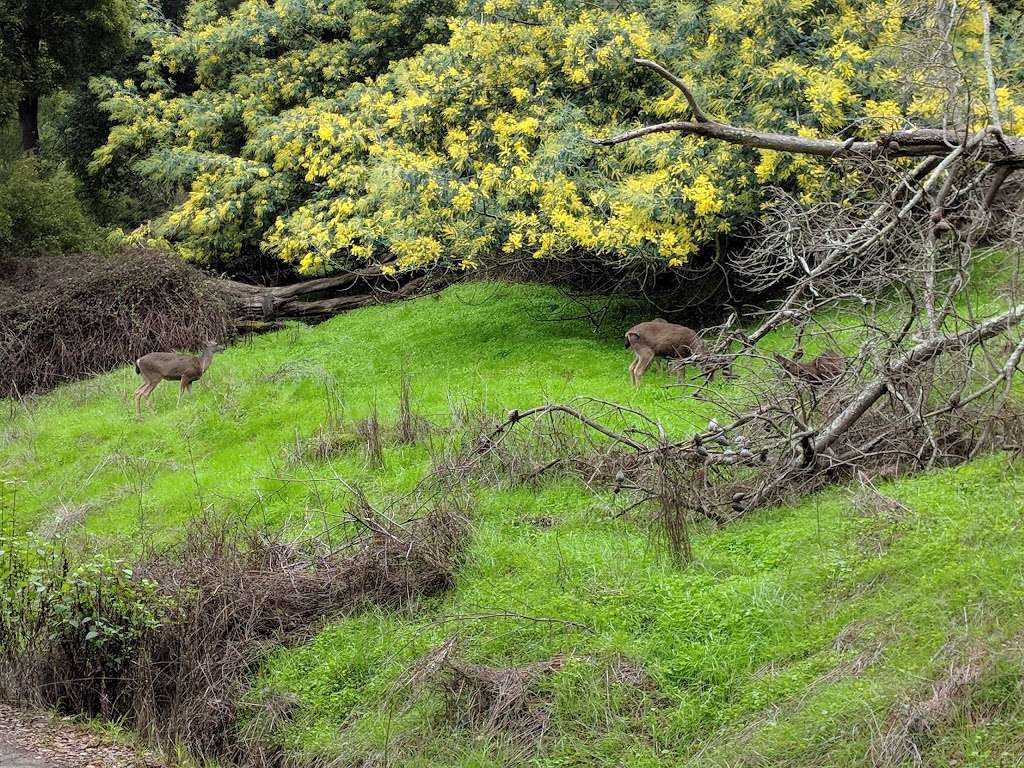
(986, 45)
(921, 353)
(516, 416)
(698, 113)
(909, 143)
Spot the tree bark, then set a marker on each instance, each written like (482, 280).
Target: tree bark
(28, 122)
(823, 439)
(922, 353)
(914, 143)
(318, 299)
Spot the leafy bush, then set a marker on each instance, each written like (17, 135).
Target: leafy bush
(325, 134)
(40, 212)
(116, 195)
(71, 628)
(169, 646)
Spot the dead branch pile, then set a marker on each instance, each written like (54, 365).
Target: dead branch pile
(67, 317)
(894, 410)
(911, 726)
(223, 597)
(483, 698)
(892, 249)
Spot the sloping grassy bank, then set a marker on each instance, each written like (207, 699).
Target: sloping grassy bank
(842, 630)
(478, 346)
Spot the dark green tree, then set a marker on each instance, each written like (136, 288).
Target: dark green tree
(50, 44)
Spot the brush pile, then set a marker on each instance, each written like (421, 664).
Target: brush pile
(170, 646)
(67, 317)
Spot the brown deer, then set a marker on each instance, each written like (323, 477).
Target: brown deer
(658, 338)
(157, 366)
(825, 368)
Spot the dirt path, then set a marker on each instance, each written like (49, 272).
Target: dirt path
(32, 740)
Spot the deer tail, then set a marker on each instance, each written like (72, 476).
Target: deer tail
(137, 367)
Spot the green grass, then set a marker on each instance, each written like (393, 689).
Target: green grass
(741, 644)
(790, 640)
(482, 345)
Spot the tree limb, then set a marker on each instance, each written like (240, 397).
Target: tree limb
(698, 113)
(907, 143)
(515, 416)
(320, 298)
(916, 355)
(986, 48)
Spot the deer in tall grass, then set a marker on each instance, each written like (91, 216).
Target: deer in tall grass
(172, 366)
(658, 338)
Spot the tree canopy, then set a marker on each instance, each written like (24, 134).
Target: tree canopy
(49, 45)
(332, 133)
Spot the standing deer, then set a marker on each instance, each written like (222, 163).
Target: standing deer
(157, 366)
(657, 338)
(826, 367)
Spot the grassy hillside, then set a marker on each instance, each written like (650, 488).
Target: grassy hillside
(476, 346)
(843, 630)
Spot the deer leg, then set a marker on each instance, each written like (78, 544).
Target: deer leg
(150, 386)
(136, 395)
(644, 359)
(634, 369)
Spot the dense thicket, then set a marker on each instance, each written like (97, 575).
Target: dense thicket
(335, 133)
(63, 317)
(115, 194)
(40, 211)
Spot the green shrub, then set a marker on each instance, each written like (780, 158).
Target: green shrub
(71, 629)
(40, 212)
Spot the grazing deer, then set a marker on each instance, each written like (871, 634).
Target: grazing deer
(826, 367)
(657, 338)
(157, 366)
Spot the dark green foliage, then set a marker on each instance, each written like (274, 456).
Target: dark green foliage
(70, 626)
(49, 44)
(114, 194)
(39, 211)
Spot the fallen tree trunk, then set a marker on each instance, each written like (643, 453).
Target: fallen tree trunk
(318, 299)
(812, 448)
(915, 356)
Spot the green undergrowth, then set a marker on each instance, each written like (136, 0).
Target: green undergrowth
(794, 638)
(805, 635)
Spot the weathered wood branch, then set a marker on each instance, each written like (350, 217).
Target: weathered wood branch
(876, 227)
(698, 113)
(515, 416)
(918, 142)
(921, 353)
(319, 298)
(908, 143)
(825, 438)
(1001, 173)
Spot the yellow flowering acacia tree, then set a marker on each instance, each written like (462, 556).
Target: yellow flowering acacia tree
(335, 133)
